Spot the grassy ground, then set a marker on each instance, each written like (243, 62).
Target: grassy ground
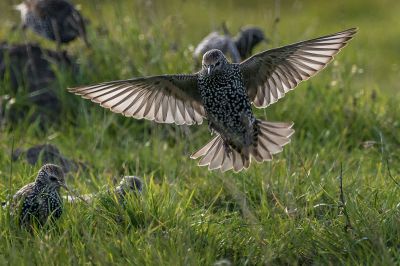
(287, 211)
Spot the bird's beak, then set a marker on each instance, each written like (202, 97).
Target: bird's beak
(208, 70)
(74, 195)
(63, 185)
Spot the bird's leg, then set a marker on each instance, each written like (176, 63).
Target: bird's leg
(211, 127)
(227, 148)
(31, 60)
(250, 125)
(59, 51)
(56, 35)
(82, 33)
(212, 131)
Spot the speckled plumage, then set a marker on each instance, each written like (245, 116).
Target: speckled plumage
(223, 93)
(38, 201)
(227, 104)
(57, 20)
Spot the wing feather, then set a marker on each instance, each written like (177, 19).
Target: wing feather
(270, 74)
(165, 99)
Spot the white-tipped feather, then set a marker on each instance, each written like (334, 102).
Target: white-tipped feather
(203, 150)
(227, 164)
(272, 137)
(206, 160)
(217, 160)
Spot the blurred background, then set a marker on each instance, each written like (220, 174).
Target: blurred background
(283, 212)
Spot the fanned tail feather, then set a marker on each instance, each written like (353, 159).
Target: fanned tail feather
(270, 139)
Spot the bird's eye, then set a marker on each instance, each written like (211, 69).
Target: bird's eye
(53, 178)
(217, 64)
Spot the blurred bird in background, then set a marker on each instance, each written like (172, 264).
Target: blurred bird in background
(248, 38)
(56, 20)
(238, 48)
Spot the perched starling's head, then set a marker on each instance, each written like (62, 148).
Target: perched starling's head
(213, 61)
(52, 176)
(129, 184)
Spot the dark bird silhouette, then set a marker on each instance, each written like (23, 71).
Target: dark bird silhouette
(32, 70)
(223, 92)
(247, 39)
(214, 40)
(47, 153)
(127, 185)
(31, 66)
(38, 201)
(238, 48)
(57, 20)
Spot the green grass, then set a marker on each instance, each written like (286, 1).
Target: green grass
(282, 212)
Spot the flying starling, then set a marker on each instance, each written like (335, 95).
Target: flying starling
(40, 200)
(223, 93)
(57, 20)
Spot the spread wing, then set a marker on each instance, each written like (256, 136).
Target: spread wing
(270, 74)
(164, 99)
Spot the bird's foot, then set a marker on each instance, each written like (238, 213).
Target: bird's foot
(211, 129)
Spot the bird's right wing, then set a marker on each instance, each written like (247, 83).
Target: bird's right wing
(269, 75)
(164, 99)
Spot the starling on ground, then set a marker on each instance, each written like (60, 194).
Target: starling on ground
(57, 20)
(238, 48)
(40, 200)
(214, 40)
(247, 39)
(127, 185)
(223, 93)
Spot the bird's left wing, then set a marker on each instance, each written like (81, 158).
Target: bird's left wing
(18, 197)
(269, 75)
(164, 99)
